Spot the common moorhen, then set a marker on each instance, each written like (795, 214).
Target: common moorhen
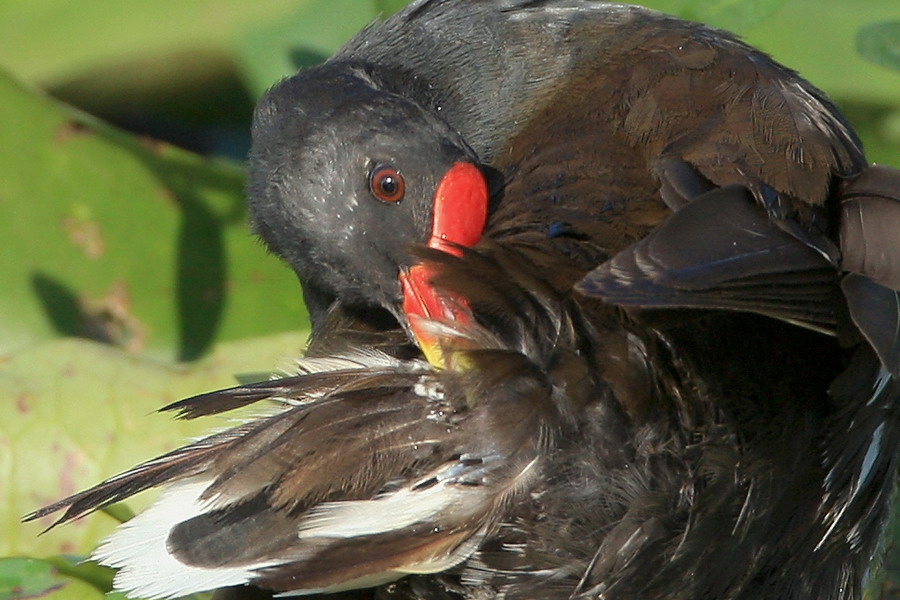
(667, 370)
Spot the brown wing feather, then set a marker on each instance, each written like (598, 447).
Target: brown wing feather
(461, 452)
(183, 462)
(348, 448)
(721, 251)
(658, 89)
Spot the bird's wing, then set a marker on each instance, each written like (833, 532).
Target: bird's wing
(355, 479)
(268, 442)
(870, 253)
(656, 111)
(701, 172)
(629, 116)
(509, 74)
(722, 251)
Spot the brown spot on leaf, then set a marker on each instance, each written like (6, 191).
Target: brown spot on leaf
(67, 484)
(168, 195)
(154, 145)
(71, 129)
(86, 235)
(23, 403)
(109, 319)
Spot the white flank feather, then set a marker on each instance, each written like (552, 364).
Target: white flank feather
(392, 512)
(138, 549)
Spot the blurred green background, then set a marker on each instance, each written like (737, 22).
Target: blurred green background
(129, 278)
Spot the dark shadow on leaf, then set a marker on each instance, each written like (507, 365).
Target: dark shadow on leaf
(202, 264)
(60, 304)
(304, 58)
(106, 319)
(201, 274)
(880, 43)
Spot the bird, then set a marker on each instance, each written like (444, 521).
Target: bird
(379, 467)
(650, 268)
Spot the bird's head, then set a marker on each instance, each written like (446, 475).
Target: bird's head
(345, 177)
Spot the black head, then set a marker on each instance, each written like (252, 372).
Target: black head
(342, 180)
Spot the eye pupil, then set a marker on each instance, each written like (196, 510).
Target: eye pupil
(387, 184)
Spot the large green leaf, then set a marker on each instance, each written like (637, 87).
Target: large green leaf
(818, 39)
(880, 43)
(735, 15)
(313, 32)
(60, 578)
(22, 578)
(52, 40)
(303, 39)
(75, 412)
(133, 242)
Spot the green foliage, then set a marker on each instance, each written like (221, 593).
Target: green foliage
(53, 40)
(77, 411)
(123, 240)
(59, 578)
(22, 578)
(880, 43)
(301, 39)
(734, 15)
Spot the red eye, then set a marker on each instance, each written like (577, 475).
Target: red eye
(386, 183)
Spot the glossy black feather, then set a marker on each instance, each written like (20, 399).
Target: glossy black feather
(722, 251)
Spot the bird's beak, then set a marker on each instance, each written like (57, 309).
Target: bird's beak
(460, 214)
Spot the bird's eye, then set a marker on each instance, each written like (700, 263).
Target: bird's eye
(387, 184)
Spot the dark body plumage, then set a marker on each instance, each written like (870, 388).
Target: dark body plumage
(684, 344)
(590, 115)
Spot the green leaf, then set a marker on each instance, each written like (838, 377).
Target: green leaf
(303, 39)
(95, 575)
(389, 7)
(76, 412)
(136, 243)
(879, 128)
(27, 577)
(60, 578)
(120, 511)
(734, 15)
(818, 39)
(52, 40)
(880, 43)
(22, 578)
